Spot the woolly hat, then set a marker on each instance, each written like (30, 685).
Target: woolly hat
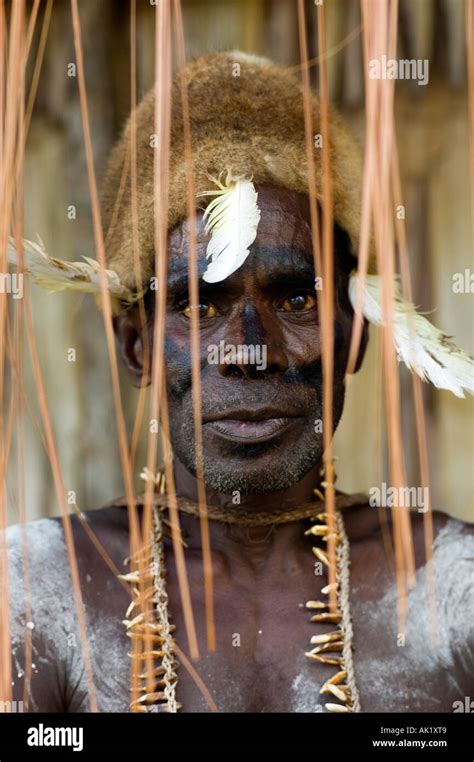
(246, 116)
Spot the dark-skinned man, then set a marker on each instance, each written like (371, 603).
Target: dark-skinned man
(260, 443)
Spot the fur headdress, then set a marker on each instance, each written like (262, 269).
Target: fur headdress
(246, 117)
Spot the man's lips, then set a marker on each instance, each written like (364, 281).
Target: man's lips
(249, 426)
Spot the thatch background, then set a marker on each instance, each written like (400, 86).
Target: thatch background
(432, 125)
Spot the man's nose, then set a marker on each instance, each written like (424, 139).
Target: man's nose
(254, 345)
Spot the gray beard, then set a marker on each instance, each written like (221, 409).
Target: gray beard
(257, 480)
(280, 472)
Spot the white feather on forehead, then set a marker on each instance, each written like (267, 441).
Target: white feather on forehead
(232, 218)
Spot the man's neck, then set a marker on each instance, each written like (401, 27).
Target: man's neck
(255, 542)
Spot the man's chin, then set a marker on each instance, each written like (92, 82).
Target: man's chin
(275, 464)
(259, 472)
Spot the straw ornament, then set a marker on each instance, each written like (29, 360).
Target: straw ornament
(423, 348)
(55, 274)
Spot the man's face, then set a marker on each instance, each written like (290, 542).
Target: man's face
(260, 355)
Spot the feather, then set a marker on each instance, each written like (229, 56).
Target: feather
(232, 218)
(58, 275)
(423, 348)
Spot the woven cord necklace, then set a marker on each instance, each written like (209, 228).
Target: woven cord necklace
(332, 647)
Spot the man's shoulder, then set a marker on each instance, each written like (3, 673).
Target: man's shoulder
(39, 587)
(40, 549)
(453, 550)
(46, 535)
(450, 536)
(39, 565)
(44, 605)
(42, 541)
(452, 526)
(453, 538)
(449, 540)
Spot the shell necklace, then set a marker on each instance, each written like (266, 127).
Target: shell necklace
(156, 688)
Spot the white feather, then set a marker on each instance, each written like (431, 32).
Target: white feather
(59, 275)
(232, 218)
(423, 348)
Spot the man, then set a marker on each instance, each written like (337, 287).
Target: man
(260, 443)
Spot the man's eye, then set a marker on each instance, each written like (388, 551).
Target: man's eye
(204, 310)
(300, 301)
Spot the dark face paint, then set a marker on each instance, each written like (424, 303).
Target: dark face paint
(261, 427)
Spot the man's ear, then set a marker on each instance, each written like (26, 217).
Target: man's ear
(364, 340)
(133, 337)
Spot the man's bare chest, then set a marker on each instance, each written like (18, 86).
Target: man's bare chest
(263, 629)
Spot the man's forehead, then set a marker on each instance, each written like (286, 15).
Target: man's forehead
(283, 238)
(272, 261)
(285, 219)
